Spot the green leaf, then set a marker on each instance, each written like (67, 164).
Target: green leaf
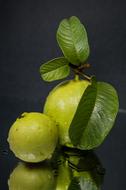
(95, 115)
(73, 41)
(55, 69)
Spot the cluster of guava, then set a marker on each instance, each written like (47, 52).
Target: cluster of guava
(34, 136)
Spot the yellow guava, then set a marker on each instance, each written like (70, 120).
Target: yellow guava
(33, 137)
(31, 177)
(61, 105)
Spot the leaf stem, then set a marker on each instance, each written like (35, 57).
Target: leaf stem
(85, 76)
(79, 70)
(84, 66)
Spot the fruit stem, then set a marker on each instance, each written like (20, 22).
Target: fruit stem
(76, 77)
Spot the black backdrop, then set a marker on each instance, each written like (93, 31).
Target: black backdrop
(27, 39)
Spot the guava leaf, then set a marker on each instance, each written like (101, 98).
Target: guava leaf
(55, 69)
(73, 41)
(95, 115)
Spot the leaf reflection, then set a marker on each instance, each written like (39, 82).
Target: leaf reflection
(70, 169)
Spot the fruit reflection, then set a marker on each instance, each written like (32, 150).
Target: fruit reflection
(64, 175)
(32, 177)
(71, 169)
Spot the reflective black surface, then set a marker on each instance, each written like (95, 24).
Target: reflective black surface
(108, 161)
(68, 169)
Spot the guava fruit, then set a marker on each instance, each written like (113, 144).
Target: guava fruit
(31, 177)
(33, 137)
(61, 105)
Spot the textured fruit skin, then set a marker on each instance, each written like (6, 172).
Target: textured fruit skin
(33, 137)
(61, 105)
(25, 177)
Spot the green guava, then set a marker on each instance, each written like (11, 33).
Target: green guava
(27, 177)
(61, 105)
(33, 137)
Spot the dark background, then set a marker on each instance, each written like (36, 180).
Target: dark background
(27, 39)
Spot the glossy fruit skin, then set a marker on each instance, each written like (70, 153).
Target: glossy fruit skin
(33, 137)
(27, 177)
(61, 105)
